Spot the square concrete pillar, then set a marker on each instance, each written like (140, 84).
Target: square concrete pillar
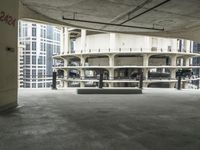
(173, 73)
(145, 73)
(82, 60)
(66, 73)
(8, 53)
(173, 60)
(187, 61)
(82, 74)
(112, 60)
(111, 74)
(146, 60)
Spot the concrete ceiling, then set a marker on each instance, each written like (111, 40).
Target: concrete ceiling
(175, 18)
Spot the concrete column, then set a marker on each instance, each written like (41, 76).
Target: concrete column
(111, 74)
(82, 84)
(172, 85)
(82, 74)
(145, 73)
(65, 62)
(82, 61)
(187, 46)
(8, 53)
(83, 40)
(66, 38)
(65, 73)
(185, 85)
(146, 60)
(191, 46)
(112, 43)
(187, 61)
(173, 60)
(61, 41)
(110, 84)
(112, 60)
(65, 84)
(173, 73)
(182, 64)
(145, 84)
(175, 46)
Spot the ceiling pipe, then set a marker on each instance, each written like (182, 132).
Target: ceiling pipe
(112, 24)
(145, 12)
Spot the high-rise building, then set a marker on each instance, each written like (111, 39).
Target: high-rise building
(196, 62)
(20, 65)
(40, 43)
(123, 58)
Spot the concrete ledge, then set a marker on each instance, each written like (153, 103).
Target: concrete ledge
(8, 107)
(109, 91)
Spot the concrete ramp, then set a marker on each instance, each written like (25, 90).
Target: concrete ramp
(109, 91)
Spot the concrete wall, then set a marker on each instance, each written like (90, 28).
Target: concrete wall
(157, 61)
(98, 61)
(128, 61)
(94, 42)
(125, 42)
(8, 58)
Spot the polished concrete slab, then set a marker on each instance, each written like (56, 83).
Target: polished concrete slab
(109, 91)
(158, 119)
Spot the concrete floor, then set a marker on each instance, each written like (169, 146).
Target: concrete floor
(159, 119)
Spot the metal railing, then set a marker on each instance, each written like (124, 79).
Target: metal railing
(128, 50)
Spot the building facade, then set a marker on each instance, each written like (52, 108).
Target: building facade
(40, 43)
(122, 58)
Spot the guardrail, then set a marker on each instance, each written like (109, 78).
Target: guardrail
(127, 50)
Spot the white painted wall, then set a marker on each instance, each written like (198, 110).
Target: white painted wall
(124, 42)
(8, 59)
(127, 41)
(94, 42)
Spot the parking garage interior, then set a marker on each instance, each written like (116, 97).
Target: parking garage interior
(158, 119)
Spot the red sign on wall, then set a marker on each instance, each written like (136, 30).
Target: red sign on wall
(8, 19)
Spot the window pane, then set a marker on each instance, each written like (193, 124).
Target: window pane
(27, 59)
(33, 31)
(34, 60)
(33, 45)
